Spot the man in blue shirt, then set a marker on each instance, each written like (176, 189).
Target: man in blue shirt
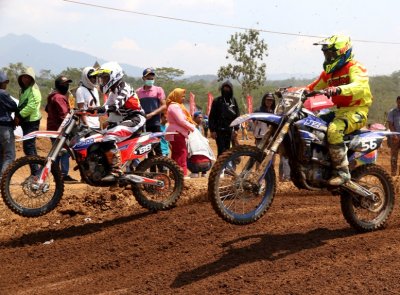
(152, 100)
(7, 139)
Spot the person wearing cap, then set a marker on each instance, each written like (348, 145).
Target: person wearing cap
(57, 109)
(346, 81)
(87, 96)
(7, 139)
(152, 100)
(29, 115)
(205, 126)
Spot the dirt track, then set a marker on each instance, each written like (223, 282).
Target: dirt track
(99, 242)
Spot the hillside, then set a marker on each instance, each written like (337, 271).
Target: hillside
(47, 56)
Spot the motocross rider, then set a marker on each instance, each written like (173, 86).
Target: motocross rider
(347, 82)
(125, 115)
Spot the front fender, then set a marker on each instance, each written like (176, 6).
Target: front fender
(266, 117)
(34, 134)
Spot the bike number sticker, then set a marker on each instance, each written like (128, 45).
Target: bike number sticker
(367, 145)
(144, 149)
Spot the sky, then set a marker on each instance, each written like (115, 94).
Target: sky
(197, 49)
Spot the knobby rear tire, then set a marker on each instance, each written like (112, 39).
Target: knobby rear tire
(347, 200)
(170, 200)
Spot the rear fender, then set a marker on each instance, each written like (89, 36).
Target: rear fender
(265, 117)
(369, 141)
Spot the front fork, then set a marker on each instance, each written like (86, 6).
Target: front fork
(55, 150)
(267, 161)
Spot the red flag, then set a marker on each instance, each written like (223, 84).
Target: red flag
(192, 104)
(209, 103)
(249, 103)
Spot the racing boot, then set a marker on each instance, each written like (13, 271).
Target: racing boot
(340, 164)
(113, 157)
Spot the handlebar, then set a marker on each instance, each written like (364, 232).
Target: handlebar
(316, 92)
(91, 112)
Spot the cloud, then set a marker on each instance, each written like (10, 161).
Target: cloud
(126, 44)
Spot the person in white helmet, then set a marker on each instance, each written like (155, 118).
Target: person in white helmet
(87, 96)
(125, 115)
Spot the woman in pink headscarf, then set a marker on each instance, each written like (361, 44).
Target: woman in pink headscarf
(181, 122)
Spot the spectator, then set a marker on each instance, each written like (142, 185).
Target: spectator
(200, 154)
(7, 139)
(181, 122)
(260, 129)
(205, 126)
(29, 111)
(152, 100)
(267, 106)
(224, 110)
(393, 120)
(87, 96)
(57, 109)
(198, 119)
(164, 143)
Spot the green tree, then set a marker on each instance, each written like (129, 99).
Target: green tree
(247, 51)
(165, 74)
(167, 77)
(13, 71)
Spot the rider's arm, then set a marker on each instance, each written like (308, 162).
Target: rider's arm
(320, 83)
(359, 82)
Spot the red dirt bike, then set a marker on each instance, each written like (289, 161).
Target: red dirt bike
(33, 186)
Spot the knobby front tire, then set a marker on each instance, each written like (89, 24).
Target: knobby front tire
(20, 191)
(233, 190)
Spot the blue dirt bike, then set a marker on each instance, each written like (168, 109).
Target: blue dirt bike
(242, 182)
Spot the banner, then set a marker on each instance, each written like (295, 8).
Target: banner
(249, 104)
(209, 103)
(192, 104)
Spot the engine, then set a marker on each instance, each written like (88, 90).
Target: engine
(312, 152)
(94, 167)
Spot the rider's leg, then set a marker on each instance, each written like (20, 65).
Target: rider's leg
(113, 157)
(346, 121)
(117, 134)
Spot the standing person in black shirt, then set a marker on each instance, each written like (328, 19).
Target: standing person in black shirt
(224, 110)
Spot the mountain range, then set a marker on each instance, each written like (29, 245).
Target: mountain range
(47, 56)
